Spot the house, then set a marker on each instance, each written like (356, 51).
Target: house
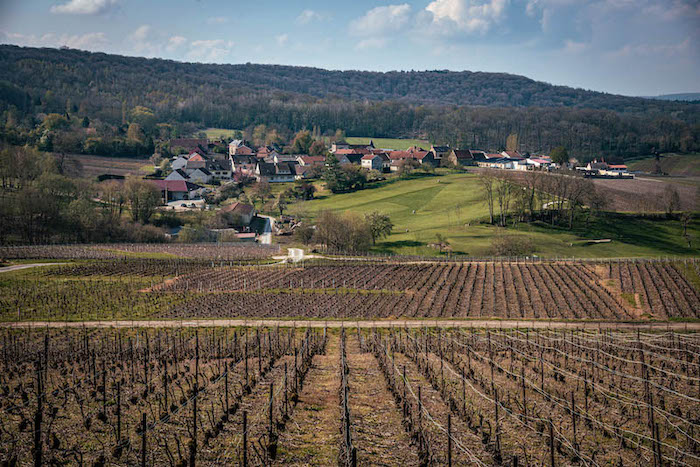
(275, 173)
(511, 155)
(345, 146)
(277, 158)
(220, 169)
(596, 165)
(177, 190)
(241, 147)
(178, 162)
(201, 176)
(246, 212)
(303, 172)
(616, 170)
(540, 162)
(420, 155)
(500, 163)
(264, 151)
(243, 164)
(376, 162)
(178, 174)
(196, 161)
(310, 160)
(439, 153)
(188, 144)
(465, 157)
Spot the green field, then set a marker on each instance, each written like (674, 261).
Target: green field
(453, 206)
(218, 133)
(672, 164)
(389, 143)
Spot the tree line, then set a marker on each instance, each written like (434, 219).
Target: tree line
(166, 99)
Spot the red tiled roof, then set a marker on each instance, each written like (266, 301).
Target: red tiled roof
(197, 158)
(175, 185)
(353, 151)
(620, 166)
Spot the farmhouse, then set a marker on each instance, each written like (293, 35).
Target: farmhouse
(275, 173)
(345, 146)
(246, 212)
(201, 176)
(177, 190)
(439, 152)
(305, 160)
(379, 162)
(241, 148)
(177, 174)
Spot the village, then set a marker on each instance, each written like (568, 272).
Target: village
(203, 166)
(200, 165)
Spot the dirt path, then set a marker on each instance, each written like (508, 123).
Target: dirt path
(478, 323)
(17, 267)
(377, 431)
(312, 435)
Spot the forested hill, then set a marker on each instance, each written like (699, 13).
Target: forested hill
(50, 68)
(463, 109)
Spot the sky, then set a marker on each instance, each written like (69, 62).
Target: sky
(630, 47)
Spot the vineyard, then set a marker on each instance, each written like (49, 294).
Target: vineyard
(428, 396)
(135, 288)
(217, 251)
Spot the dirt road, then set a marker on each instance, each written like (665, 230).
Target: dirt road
(17, 267)
(480, 323)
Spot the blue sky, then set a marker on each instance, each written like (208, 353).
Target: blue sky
(632, 47)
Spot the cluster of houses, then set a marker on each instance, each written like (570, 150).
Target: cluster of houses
(601, 169)
(199, 164)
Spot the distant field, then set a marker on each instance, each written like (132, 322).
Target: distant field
(218, 133)
(389, 143)
(92, 166)
(672, 164)
(453, 205)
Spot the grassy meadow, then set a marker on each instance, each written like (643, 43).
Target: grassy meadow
(454, 206)
(672, 164)
(218, 133)
(389, 143)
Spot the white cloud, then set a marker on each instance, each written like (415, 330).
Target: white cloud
(382, 20)
(282, 39)
(371, 43)
(84, 7)
(308, 16)
(174, 43)
(217, 20)
(471, 16)
(91, 41)
(574, 47)
(141, 33)
(651, 50)
(209, 51)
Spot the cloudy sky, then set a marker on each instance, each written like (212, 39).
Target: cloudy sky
(632, 47)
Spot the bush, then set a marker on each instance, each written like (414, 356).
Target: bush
(511, 245)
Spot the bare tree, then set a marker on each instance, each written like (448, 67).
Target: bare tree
(487, 180)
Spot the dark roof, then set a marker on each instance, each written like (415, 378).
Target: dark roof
(462, 154)
(175, 185)
(239, 208)
(441, 148)
(182, 173)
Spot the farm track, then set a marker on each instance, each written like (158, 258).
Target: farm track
(313, 431)
(377, 431)
(443, 323)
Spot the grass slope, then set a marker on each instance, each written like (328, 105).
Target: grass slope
(389, 143)
(218, 133)
(672, 164)
(453, 205)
